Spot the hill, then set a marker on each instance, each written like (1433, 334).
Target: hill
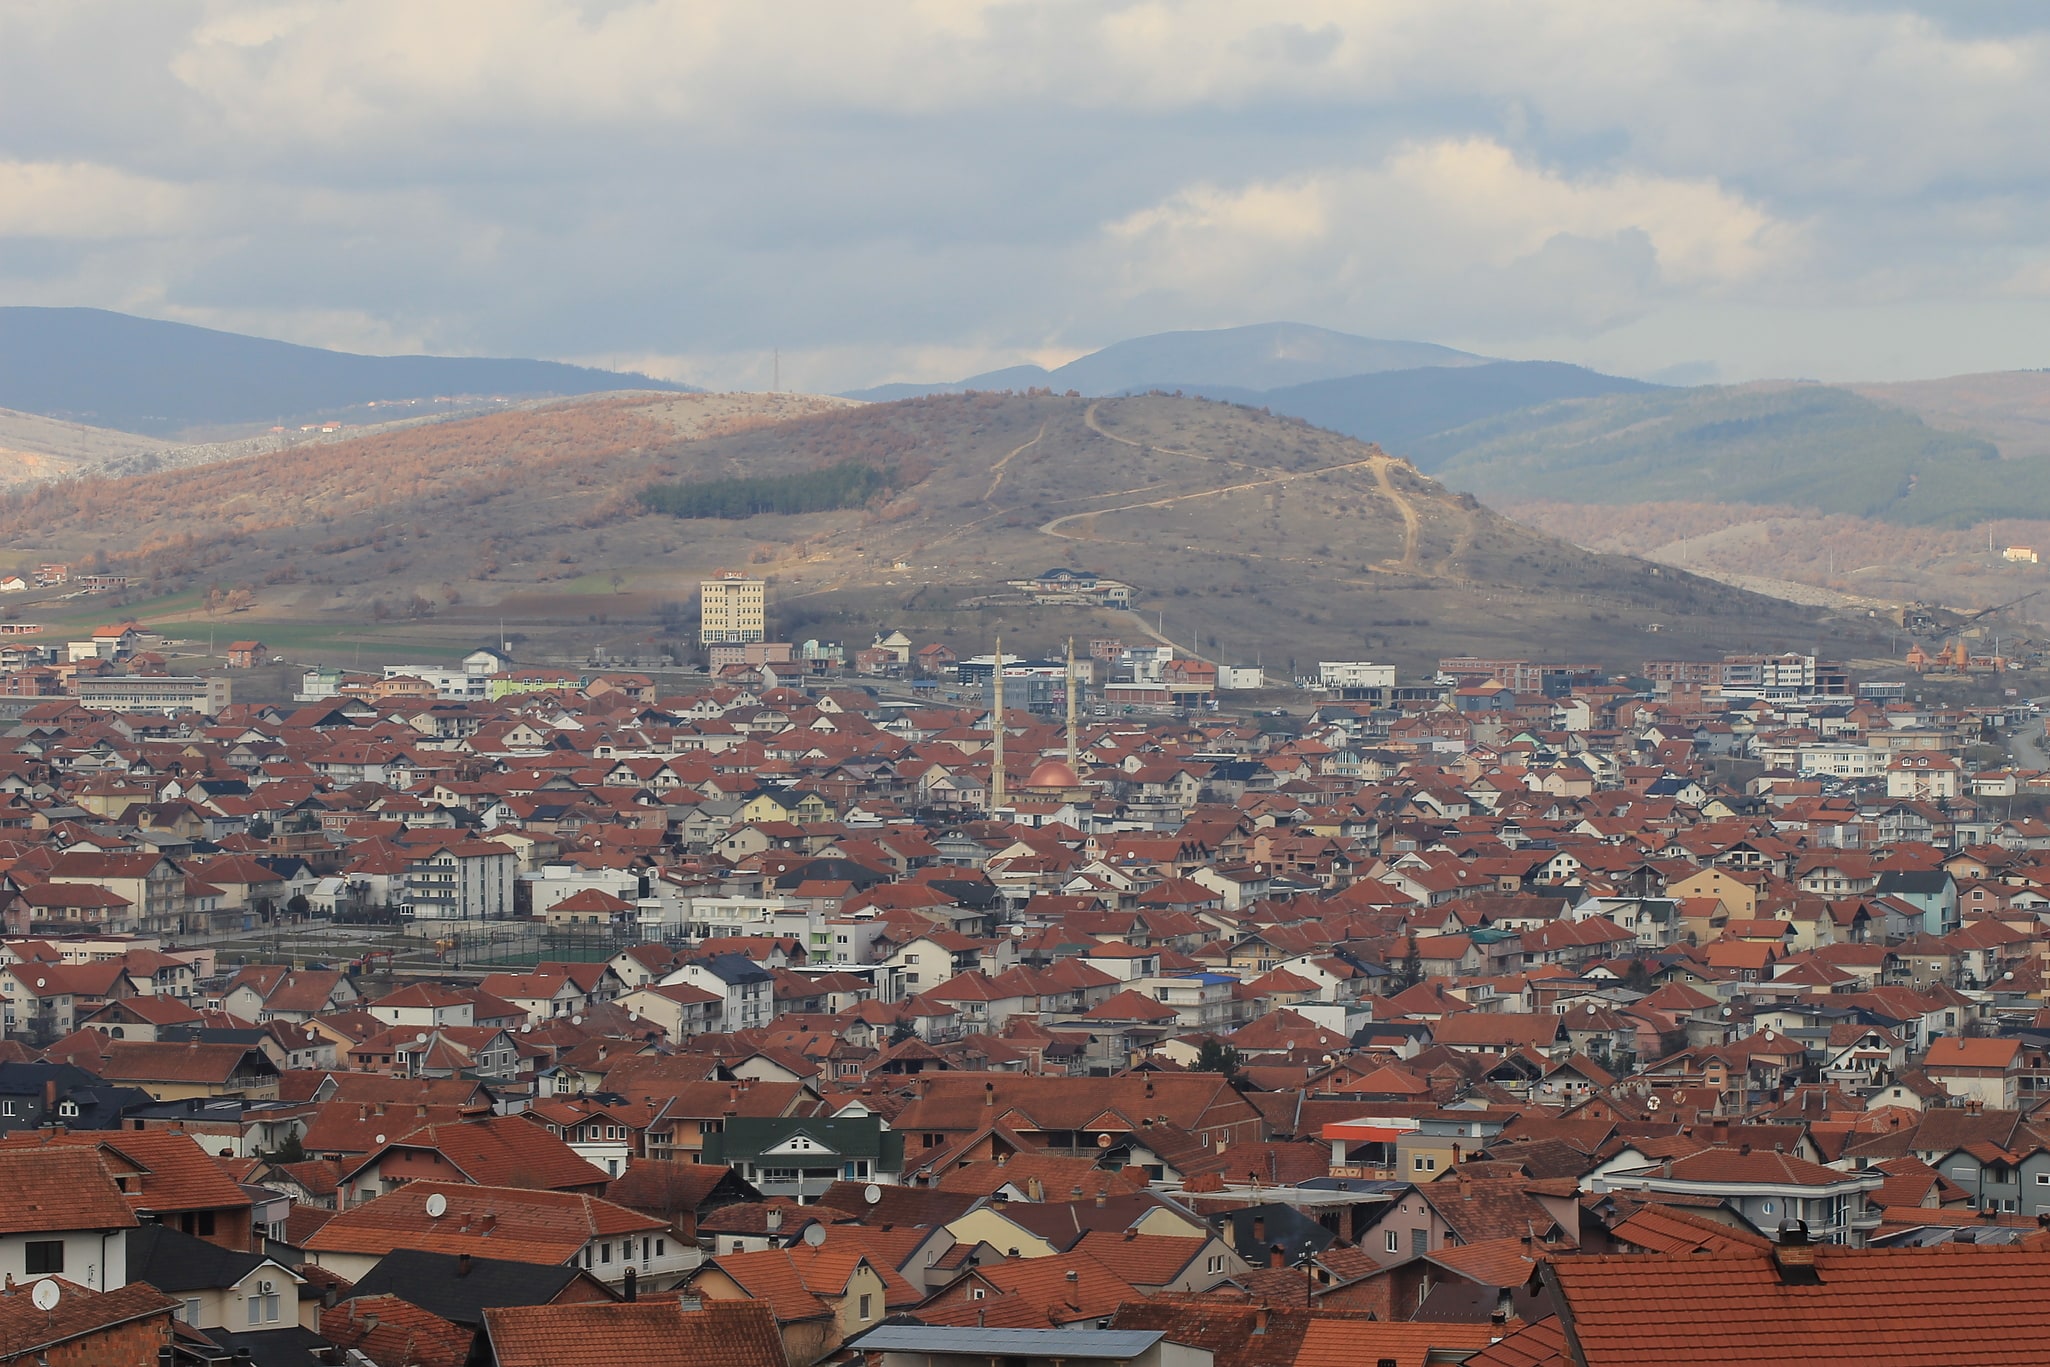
(1397, 409)
(1245, 359)
(1247, 535)
(33, 447)
(149, 376)
(1810, 446)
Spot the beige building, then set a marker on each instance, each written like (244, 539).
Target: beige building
(732, 608)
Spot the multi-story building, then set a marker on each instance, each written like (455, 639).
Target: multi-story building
(154, 693)
(732, 608)
(462, 880)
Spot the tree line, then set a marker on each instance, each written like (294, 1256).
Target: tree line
(844, 484)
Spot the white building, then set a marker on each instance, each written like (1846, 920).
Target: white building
(462, 880)
(1354, 674)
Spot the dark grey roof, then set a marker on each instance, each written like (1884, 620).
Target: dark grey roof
(290, 1347)
(440, 1284)
(174, 1262)
(734, 969)
(1034, 1343)
(1922, 881)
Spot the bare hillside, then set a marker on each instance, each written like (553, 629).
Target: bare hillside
(1245, 534)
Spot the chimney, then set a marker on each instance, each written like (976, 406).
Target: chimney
(1795, 1256)
(462, 1264)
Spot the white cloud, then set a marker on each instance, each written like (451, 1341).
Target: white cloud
(1458, 228)
(963, 183)
(81, 201)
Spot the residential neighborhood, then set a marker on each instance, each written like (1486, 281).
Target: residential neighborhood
(787, 1020)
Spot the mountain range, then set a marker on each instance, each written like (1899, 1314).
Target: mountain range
(160, 378)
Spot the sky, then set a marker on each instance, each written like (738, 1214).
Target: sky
(923, 189)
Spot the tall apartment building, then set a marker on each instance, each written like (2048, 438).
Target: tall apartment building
(732, 608)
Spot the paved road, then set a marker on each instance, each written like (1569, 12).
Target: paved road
(2028, 744)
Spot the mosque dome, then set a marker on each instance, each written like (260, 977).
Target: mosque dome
(1053, 773)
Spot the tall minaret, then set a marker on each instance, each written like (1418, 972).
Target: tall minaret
(1074, 752)
(996, 782)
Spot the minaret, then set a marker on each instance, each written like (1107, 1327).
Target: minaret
(1074, 752)
(996, 782)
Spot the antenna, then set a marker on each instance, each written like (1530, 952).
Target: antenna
(996, 786)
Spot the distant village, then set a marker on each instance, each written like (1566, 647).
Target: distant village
(1107, 1007)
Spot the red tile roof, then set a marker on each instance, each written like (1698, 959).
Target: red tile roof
(716, 1334)
(1906, 1307)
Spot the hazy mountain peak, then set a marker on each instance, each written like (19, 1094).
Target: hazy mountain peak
(1255, 357)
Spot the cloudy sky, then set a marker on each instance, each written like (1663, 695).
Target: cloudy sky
(928, 188)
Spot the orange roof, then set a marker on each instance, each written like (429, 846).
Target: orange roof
(1898, 1307)
(487, 1222)
(44, 1189)
(730, 1333)
(172, 1172)
(1348, 1342)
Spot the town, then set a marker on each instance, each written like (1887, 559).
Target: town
(830, 1006)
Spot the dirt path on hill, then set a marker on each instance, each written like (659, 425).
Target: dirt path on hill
(1051, 527)
(1089, 420)
(997, 470)
(1412, 525)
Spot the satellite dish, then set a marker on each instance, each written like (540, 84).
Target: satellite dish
(871, 1193)
(46, 1295)
(814, 1235)
(437, 1206)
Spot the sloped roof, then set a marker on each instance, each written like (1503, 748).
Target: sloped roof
(1904, 1307)
(716, 1334)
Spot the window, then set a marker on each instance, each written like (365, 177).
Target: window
(44, 1255)
(866, 1312)
(1394, 1242)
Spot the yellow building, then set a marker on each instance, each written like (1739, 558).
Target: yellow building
(732, 608)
